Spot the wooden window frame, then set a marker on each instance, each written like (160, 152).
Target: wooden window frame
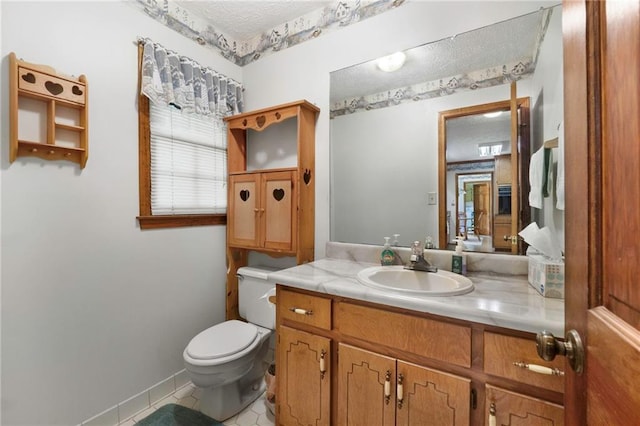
(146, 219)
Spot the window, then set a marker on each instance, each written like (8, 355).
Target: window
(182, 139)
(183, 168)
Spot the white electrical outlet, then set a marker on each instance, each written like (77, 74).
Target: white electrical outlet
(431, 198)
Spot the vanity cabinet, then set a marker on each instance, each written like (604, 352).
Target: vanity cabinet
(304, 378)
(303, 360)
(375, 389)
(346, 362)
(503, 407)
(270, 210)
(262, 210)
(516, 359)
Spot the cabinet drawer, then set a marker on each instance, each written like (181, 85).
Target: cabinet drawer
(421, 336)
(501, 352)
(304, 308)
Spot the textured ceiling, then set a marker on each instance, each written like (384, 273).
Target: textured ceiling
(244, 20)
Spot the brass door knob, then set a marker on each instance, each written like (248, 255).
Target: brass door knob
(548, 347)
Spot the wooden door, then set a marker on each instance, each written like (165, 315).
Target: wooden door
(507, 408)
(244, 201)
(303, 393)
(602, 152)
(366, 387)
(482, 208)
(278, 211)
(431, 397)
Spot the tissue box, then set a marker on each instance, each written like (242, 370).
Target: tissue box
(546, 276)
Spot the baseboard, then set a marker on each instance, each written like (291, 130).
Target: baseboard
(139, 402)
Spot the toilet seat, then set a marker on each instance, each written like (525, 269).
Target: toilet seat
(222, 343)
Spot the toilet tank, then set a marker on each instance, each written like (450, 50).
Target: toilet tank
(254, 290)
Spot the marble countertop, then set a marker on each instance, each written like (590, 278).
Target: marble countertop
(498, 299)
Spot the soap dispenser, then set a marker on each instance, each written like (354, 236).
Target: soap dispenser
(459, 258)
(387, 257)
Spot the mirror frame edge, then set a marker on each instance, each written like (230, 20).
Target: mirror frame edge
(443, 116)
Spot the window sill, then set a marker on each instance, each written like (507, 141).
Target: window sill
(177, 221)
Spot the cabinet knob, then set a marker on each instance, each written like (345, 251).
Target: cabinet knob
(400, 391)
(387, 387)
(323, 368)
(540, 369)
(492, 414)
(301, 311)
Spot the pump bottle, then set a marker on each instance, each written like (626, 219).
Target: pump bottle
(459, 259)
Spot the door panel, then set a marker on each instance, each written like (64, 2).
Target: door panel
(601, 44)
(361, 387)
(303, 394)
(431, 397)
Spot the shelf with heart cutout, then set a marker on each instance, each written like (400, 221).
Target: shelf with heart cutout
(270, 210)
(48, 113)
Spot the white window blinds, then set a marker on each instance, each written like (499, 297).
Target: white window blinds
(188, 162)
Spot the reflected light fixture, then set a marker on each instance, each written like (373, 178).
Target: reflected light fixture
(392, 62)
(492, 114)
(490, 149)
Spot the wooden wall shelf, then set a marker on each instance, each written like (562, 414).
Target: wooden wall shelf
(53, 92)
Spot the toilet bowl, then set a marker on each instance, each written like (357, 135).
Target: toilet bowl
(228, 360)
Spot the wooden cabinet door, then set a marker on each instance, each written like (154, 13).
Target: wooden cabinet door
(278, 211)
(501, 228)
(431, 397)
(304, 390)
(503, 169)
(366, 387)
(244, 203)
(512, 409)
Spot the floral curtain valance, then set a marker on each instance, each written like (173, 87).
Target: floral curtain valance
(168, 78)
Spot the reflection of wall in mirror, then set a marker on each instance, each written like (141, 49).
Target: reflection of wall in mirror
(384, 162)
(547, 113)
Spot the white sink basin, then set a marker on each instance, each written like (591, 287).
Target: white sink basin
(396, 278)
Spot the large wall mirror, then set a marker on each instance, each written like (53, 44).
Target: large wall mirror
(396, 171)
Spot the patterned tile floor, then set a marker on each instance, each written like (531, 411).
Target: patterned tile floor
(254, 415)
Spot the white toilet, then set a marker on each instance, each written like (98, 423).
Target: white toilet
(228, 360)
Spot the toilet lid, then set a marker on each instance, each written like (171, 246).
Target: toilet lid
(222, 340)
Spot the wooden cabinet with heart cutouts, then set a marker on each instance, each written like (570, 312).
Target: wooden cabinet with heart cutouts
(270, 209)
(262, 212)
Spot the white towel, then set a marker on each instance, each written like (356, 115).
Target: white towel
(560, 178)
(536, 175)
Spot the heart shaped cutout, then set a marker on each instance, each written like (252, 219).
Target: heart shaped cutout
(307, 176)
(244, 194)
(278, 194)
(260, 120)
(29, 78)
(76, 91)
(54, 88)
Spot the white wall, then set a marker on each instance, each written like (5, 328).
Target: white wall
(302, 72)
(94, 310)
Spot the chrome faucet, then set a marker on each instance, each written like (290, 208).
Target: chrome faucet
(417, 261)
(421, 264)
